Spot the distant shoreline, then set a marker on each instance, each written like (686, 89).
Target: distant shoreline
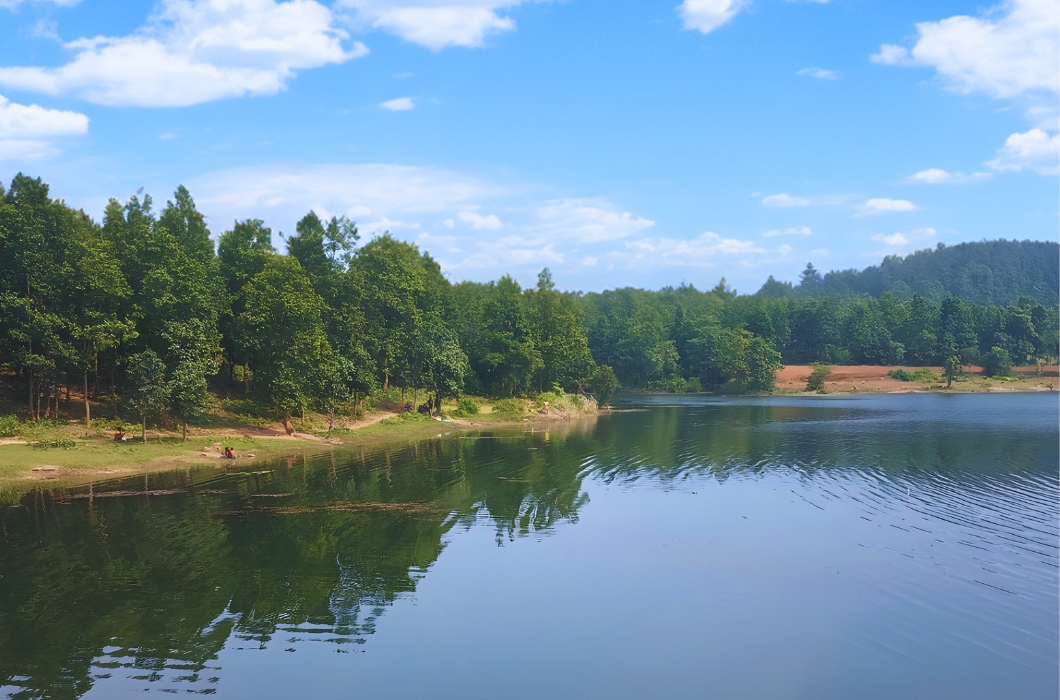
(874, 379)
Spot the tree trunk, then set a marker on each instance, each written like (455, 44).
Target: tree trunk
(185, 431)
(88, 409)
(288, 428)
(29, 373)
(143, 429)
(246, 378)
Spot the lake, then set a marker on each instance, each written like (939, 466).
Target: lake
(900, 546)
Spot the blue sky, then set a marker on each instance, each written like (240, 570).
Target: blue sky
(620, 144)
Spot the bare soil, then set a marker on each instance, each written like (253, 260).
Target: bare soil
(873, 379)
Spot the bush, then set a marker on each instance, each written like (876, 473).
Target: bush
(9, 426)
(466, 407)
(407, 417)
(676, 385)
(921, 375)
(550, 397)
(510, 406)
(817, 378)
(997, 362)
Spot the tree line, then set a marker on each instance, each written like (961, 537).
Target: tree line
(144, 306)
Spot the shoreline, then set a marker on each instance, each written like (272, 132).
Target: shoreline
(95, 459)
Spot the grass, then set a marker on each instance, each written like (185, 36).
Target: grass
(65, 452)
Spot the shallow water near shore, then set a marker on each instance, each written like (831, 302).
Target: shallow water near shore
(802, 547)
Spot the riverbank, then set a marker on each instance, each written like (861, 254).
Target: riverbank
(875, 379)
(66, 453)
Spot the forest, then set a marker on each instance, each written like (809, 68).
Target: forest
(144, 307)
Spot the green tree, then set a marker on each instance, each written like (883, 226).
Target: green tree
(604, 384)
(997, 362)
(285, 334)
(149, 390)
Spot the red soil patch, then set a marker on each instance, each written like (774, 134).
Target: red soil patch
(873, 378)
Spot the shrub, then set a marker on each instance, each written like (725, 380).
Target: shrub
(9, 426)
(921, 375)
(817, 378)
(407, 417)
(466, 407)
(510, 406)
(997, 362)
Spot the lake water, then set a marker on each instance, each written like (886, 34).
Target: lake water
(898, 546)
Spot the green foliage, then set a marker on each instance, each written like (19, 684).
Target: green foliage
(9, 426)
(676, 385)
(921, 375)
(149, 390)
(997, 362)
(604, 384)
(407, 417)
(466, 407)
(819, 374)
(510, 406)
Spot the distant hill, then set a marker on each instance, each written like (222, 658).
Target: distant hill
(988, 272)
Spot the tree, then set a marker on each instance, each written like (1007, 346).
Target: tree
(149, 390)
(952, 369)
(191, 345)
(818, 376)
(604, 384)
(283, 329)
(997, 362)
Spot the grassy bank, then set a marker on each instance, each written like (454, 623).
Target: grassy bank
(66, 452)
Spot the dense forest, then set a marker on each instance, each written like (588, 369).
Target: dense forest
(986, 272)
(146, 307)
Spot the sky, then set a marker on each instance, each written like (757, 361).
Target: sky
(643, 144)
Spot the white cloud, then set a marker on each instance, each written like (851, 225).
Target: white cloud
(590, 261)
(896, 239)
(435, 24)
(785, 200)
(707, 15)
(478, 221)
(799, 231)
(194, 51)
(937, 176)
(819, 73)
(401, 104)
(11, 4)
(26, 131)
(881, 205)
(697, 251)
(21, 121)
(1009, 51)
(589, 221)
(1034, 150)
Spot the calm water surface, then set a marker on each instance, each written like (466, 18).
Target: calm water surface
(854, 547)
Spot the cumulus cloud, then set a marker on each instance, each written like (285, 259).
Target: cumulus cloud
(589, 220)
(698, 251)
(1034, 150)
(490, 222)
(937, 176)
(435, 24)
(798, 231)
(1010, 50)
(785, 200)
(819, 73)
(26, 131)
(707, 15)
(880, 205)
(194, 51)
(896, 239)
(401, 104)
